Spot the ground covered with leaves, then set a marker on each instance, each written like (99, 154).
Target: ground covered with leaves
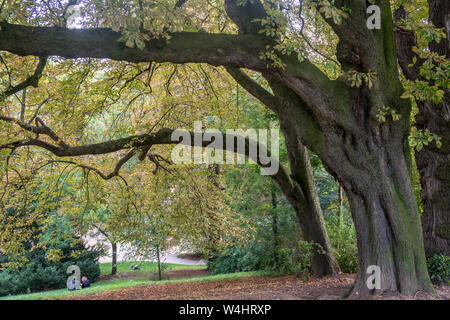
(248, 288)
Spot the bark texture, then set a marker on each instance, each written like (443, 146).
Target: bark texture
(114, 258)
(433, 163)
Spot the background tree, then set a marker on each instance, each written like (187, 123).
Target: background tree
(422, 36)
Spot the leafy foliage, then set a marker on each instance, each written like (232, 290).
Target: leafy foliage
(41, 274)
(439, 268)
(343, 240)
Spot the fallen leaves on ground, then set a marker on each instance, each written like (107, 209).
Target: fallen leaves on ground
(248, 288)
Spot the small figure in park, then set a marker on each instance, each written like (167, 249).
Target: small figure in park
(135, 267)
(85, 283)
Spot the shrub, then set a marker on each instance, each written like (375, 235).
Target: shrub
(40, 274)
(343, 241)
(6, 283)
(237, 259)
(258, 256)
(439, 268)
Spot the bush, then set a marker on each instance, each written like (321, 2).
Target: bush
(260, 257)
(343, 241)
(439, 268)
(6, 283)
(40, 274)
(237, 259)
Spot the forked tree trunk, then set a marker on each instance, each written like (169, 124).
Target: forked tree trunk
(387, 223)
(373, 164)
(323, 262)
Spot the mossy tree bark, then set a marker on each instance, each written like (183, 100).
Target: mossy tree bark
(433, 163)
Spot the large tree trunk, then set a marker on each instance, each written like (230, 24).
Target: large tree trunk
(386, 217)
(372, 161)
(384, 210)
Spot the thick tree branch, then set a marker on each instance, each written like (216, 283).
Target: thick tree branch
(161, 137)
(183, 47)
(41, 128)
(238, 51)
(33, 80)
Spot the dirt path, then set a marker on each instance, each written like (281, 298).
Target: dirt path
(252, 288)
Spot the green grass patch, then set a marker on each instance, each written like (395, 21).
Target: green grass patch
(146, 266)
(122, 284)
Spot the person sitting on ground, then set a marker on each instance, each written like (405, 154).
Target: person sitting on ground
(85, 282)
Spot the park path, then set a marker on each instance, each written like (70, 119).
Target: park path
(169, 257)
(173, 258)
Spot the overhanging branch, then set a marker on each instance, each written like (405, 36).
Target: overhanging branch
(183, 47)
(163, 136)
(33, 80)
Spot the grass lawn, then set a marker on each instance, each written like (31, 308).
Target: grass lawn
(146, 266)
(121, 284)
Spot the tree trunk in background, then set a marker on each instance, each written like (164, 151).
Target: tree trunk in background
(341, 212)
(276, 236)
(434, 169)
(434, 163)
(336, 119)
(159, 263)
(114, 258)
